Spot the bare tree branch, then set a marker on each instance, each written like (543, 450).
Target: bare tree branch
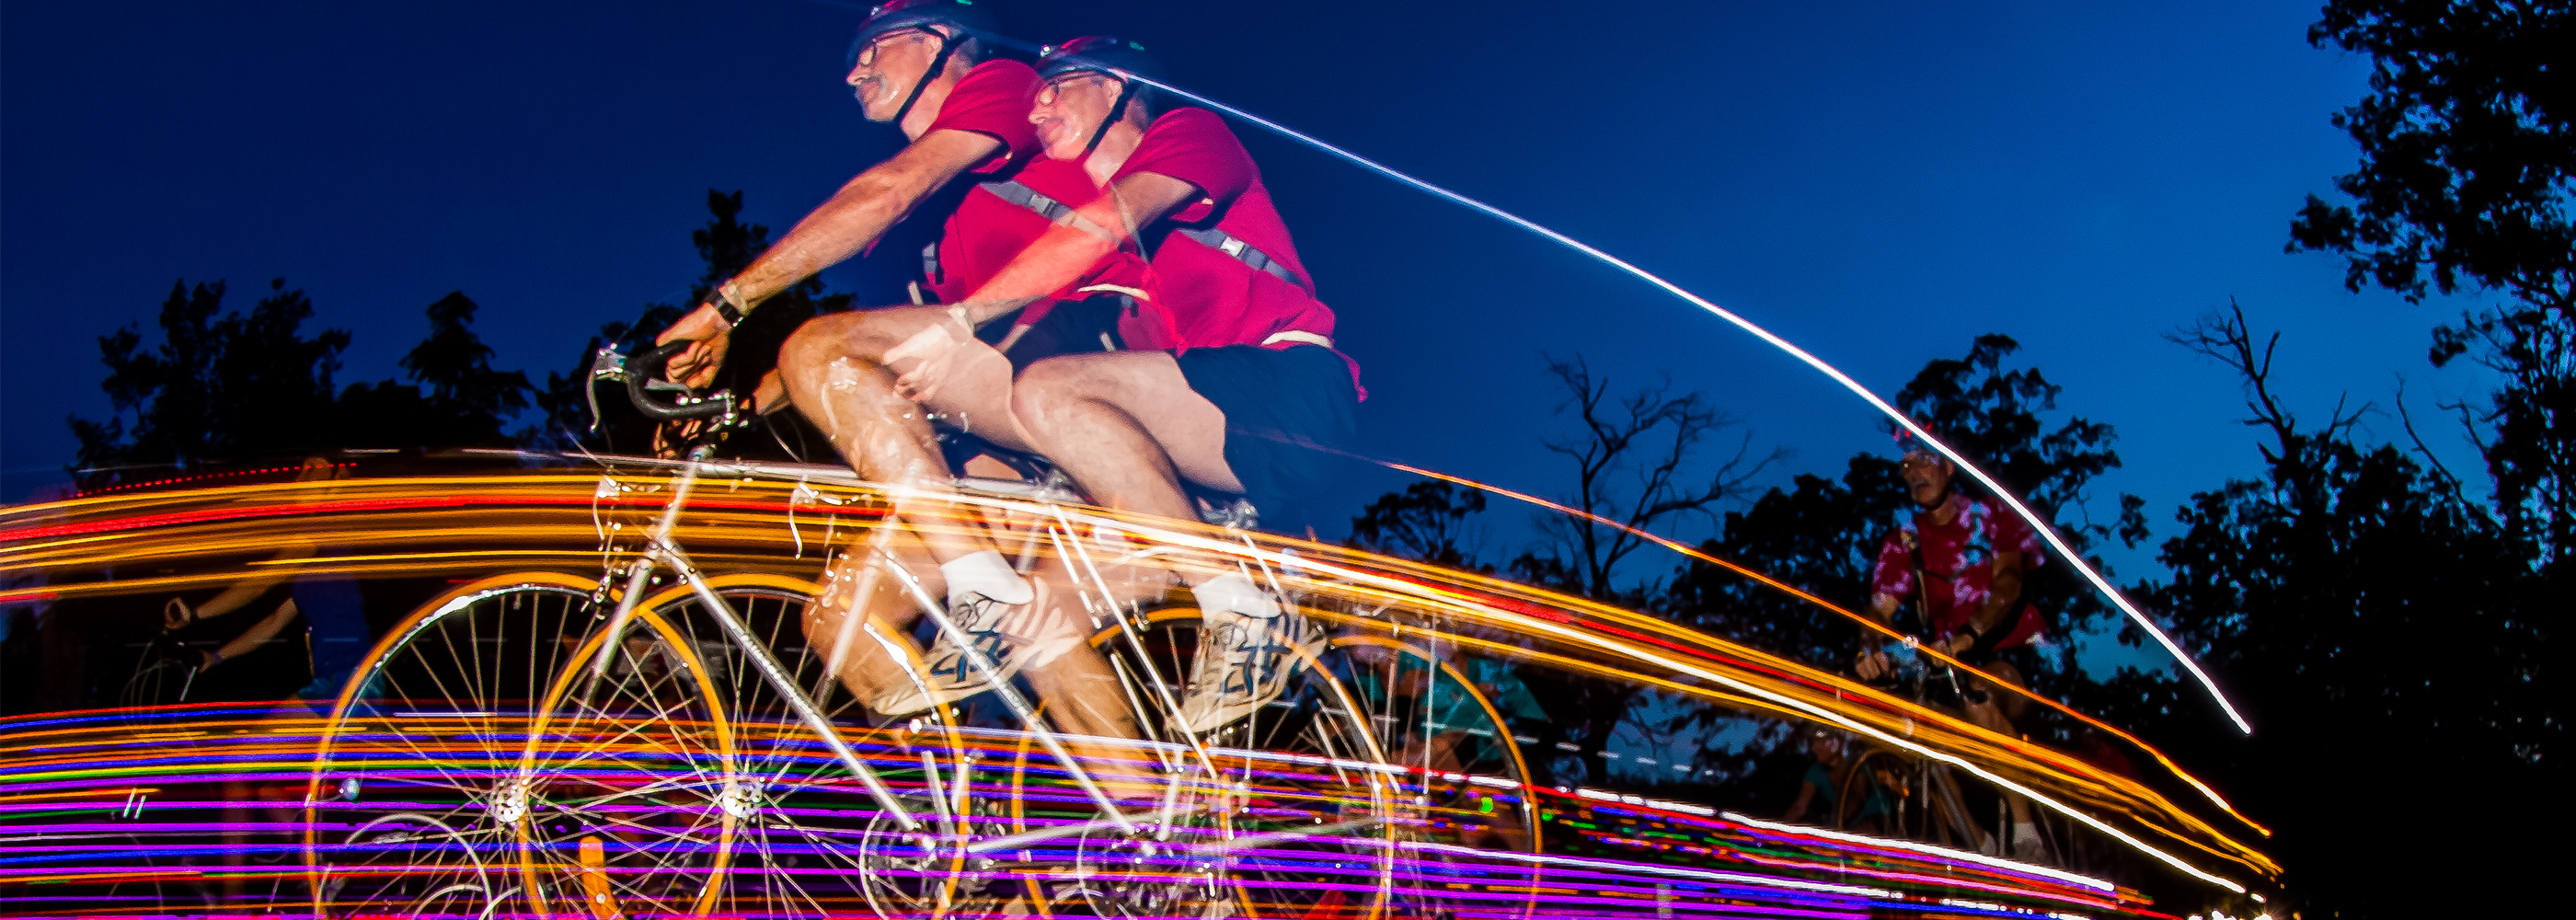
(2449, 481)
(1631, 458)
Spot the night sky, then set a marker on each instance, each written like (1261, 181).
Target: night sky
(1877, 181)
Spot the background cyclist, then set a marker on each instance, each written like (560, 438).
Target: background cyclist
(1960, 559)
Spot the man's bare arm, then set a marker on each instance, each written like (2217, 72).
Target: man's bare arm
(863, 209)
(1077, 243)
(852, 219)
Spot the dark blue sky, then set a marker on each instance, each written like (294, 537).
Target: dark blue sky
(1878, 181)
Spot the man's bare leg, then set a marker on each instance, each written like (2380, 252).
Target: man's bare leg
(1996, 714)
(836, 374)
(858, 593)
(1128, 429)
(836, 369)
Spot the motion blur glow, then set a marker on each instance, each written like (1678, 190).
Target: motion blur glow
(1943, 852)
(482, 527)
(1695, 553)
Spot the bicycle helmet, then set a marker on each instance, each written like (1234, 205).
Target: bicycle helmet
(1108, 55)
(963, 17)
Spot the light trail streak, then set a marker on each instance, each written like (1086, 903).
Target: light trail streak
(503, 515)
(1820, 713)
(2046, 532)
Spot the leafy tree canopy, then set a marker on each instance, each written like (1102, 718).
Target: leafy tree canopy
(2466, 149)
(220, 384)
(226, 385)
(2466, 158)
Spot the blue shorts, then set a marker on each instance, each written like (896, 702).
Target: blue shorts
(1288, 414)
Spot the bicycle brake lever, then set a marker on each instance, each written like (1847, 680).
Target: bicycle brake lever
(605, 364)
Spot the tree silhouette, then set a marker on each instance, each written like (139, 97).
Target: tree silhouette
(467, 403)
(232, 386)
(219, 385)
(2467, 153)
(2391, 640)
(1629, 457)
(1428, 521)
(1632, 455)
(457, 366)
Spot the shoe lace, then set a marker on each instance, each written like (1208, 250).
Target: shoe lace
(980, 619)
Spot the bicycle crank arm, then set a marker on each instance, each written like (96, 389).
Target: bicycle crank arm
(1327, 830)
(1024, 838)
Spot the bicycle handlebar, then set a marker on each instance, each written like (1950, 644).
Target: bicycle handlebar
(650, 363)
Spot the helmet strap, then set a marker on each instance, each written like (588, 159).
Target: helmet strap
(1117, 110)
(948, 45)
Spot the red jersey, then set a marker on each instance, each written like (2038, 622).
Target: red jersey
(1957, 559)
(1214, 298)
(985, 233)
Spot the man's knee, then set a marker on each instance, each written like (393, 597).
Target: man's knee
(813, 344)
(863, 334)
(1043, 392)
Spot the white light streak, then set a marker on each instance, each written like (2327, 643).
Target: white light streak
(2046, 532)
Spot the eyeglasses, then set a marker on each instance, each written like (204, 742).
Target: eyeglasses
(1054, 89)
(868, 52)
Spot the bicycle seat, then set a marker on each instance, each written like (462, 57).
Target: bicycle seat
(1041, 480)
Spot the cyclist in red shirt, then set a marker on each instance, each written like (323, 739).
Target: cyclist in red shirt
(1961, 560)
(1229, 379)
(915, 63)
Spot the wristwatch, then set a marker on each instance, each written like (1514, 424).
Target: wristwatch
(728, 305)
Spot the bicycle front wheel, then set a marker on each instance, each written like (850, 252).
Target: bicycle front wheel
(810, 839)
(414, 785)
(1473, 785)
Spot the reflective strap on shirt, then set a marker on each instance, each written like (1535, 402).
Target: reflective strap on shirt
(1293, 335)
(1233, 246)
(1113, 289)
(1243, 252)
(1054, 211)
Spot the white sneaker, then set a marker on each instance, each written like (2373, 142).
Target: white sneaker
(947, 672)
(1244, 663)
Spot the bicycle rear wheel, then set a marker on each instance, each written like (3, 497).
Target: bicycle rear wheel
(1301, 820)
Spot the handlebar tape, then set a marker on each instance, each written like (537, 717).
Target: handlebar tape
(651, 363)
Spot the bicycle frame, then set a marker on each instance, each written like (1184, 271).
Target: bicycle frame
(661, 550)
